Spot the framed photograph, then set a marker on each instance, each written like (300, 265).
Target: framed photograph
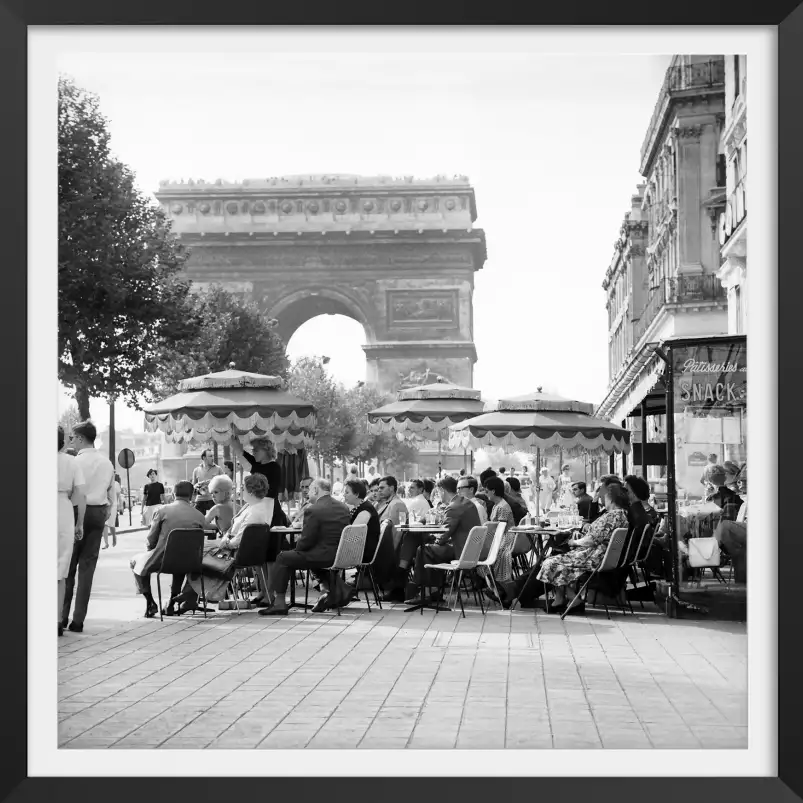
(512, 144)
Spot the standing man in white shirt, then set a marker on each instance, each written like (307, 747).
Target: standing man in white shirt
(416, 501)
(201, 476)
(99, 490)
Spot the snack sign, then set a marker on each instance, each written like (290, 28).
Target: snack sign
(710, 376)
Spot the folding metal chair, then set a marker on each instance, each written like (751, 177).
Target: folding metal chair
(493, 553)
(254, 550)
(611, 561)
(368, 567)
(349, 552)
(469, 558)
(183, 555)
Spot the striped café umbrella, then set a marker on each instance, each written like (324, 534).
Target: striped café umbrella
(206, 407)
(425, 412)
(541, 422)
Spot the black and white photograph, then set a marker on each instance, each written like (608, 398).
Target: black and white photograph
(402, 396)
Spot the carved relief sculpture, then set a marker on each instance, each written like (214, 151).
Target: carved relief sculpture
(410, 308)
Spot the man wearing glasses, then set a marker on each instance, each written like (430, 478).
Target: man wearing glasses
(467, 488)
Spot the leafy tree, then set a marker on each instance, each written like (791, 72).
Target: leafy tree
(342, 430)
(121, 296)
(309, 379)
(234, 331)
(363, 445)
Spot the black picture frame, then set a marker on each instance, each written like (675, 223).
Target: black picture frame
(15, 16)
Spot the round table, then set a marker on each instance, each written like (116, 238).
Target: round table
(542, 539)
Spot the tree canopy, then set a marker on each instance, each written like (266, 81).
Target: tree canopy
(121, 296)
(342, 430)
(234, 330)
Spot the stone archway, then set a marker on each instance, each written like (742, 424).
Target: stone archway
(396, 255)
(302, 305)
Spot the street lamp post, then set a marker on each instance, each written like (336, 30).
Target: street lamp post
(112, 449)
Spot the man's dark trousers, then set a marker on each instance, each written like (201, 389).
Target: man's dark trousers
(84, 559)
(144, 584)
(290, 560)
(421, 548)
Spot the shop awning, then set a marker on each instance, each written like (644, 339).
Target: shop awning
(641, 376)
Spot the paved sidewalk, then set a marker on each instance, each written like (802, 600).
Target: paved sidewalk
(392, 680)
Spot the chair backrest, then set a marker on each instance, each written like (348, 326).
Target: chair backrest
(472, 548)
(351, 546)
(493, 553)
(610, 560)
(253, 549)
(383, 528)
(183, 552)
(631, 546)
(646, 543)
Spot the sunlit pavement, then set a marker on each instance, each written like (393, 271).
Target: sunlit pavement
(387, 679)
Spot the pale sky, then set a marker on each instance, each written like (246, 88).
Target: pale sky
(550, 143)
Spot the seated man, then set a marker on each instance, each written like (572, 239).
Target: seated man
(389, 504)
(467, 488)
(586, 506)
(316, 548)
(416, 501)
(461, 516)
(181, 514)
(730, 532)
(298, 518)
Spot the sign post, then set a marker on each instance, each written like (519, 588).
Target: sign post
(126, 460)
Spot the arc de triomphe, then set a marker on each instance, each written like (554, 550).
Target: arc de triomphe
(397, 255)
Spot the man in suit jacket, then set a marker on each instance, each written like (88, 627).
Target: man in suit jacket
(461, 516)
(324, 521)
(178, 515)
(586, 506)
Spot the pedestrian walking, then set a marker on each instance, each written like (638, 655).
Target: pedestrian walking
(98, 473)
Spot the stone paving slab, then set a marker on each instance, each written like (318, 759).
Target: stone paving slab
(387, 679)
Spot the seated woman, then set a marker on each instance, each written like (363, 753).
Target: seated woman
(362, 512)
(259, 509)
(586, 553)
(638, 490)
(221, 514)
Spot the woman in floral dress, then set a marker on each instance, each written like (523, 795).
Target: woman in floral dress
(587, 552)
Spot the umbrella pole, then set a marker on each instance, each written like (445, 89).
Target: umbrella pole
(538, 482)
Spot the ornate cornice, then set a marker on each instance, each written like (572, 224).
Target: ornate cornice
(319, 204)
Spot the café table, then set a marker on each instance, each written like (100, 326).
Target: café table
(423, 529)
(292, 533)
(542, 539)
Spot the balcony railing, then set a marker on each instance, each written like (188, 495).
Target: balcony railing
(685, 289)
(679, 78)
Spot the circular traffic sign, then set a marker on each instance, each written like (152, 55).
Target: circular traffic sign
(126, 458)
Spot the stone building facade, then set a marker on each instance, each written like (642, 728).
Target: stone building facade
(662, 280)
(733, 219)
(396, 254)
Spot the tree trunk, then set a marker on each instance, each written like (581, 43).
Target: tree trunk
(82, 400)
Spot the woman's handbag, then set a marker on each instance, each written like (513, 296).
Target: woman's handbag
(218, 562)
(703, 552)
